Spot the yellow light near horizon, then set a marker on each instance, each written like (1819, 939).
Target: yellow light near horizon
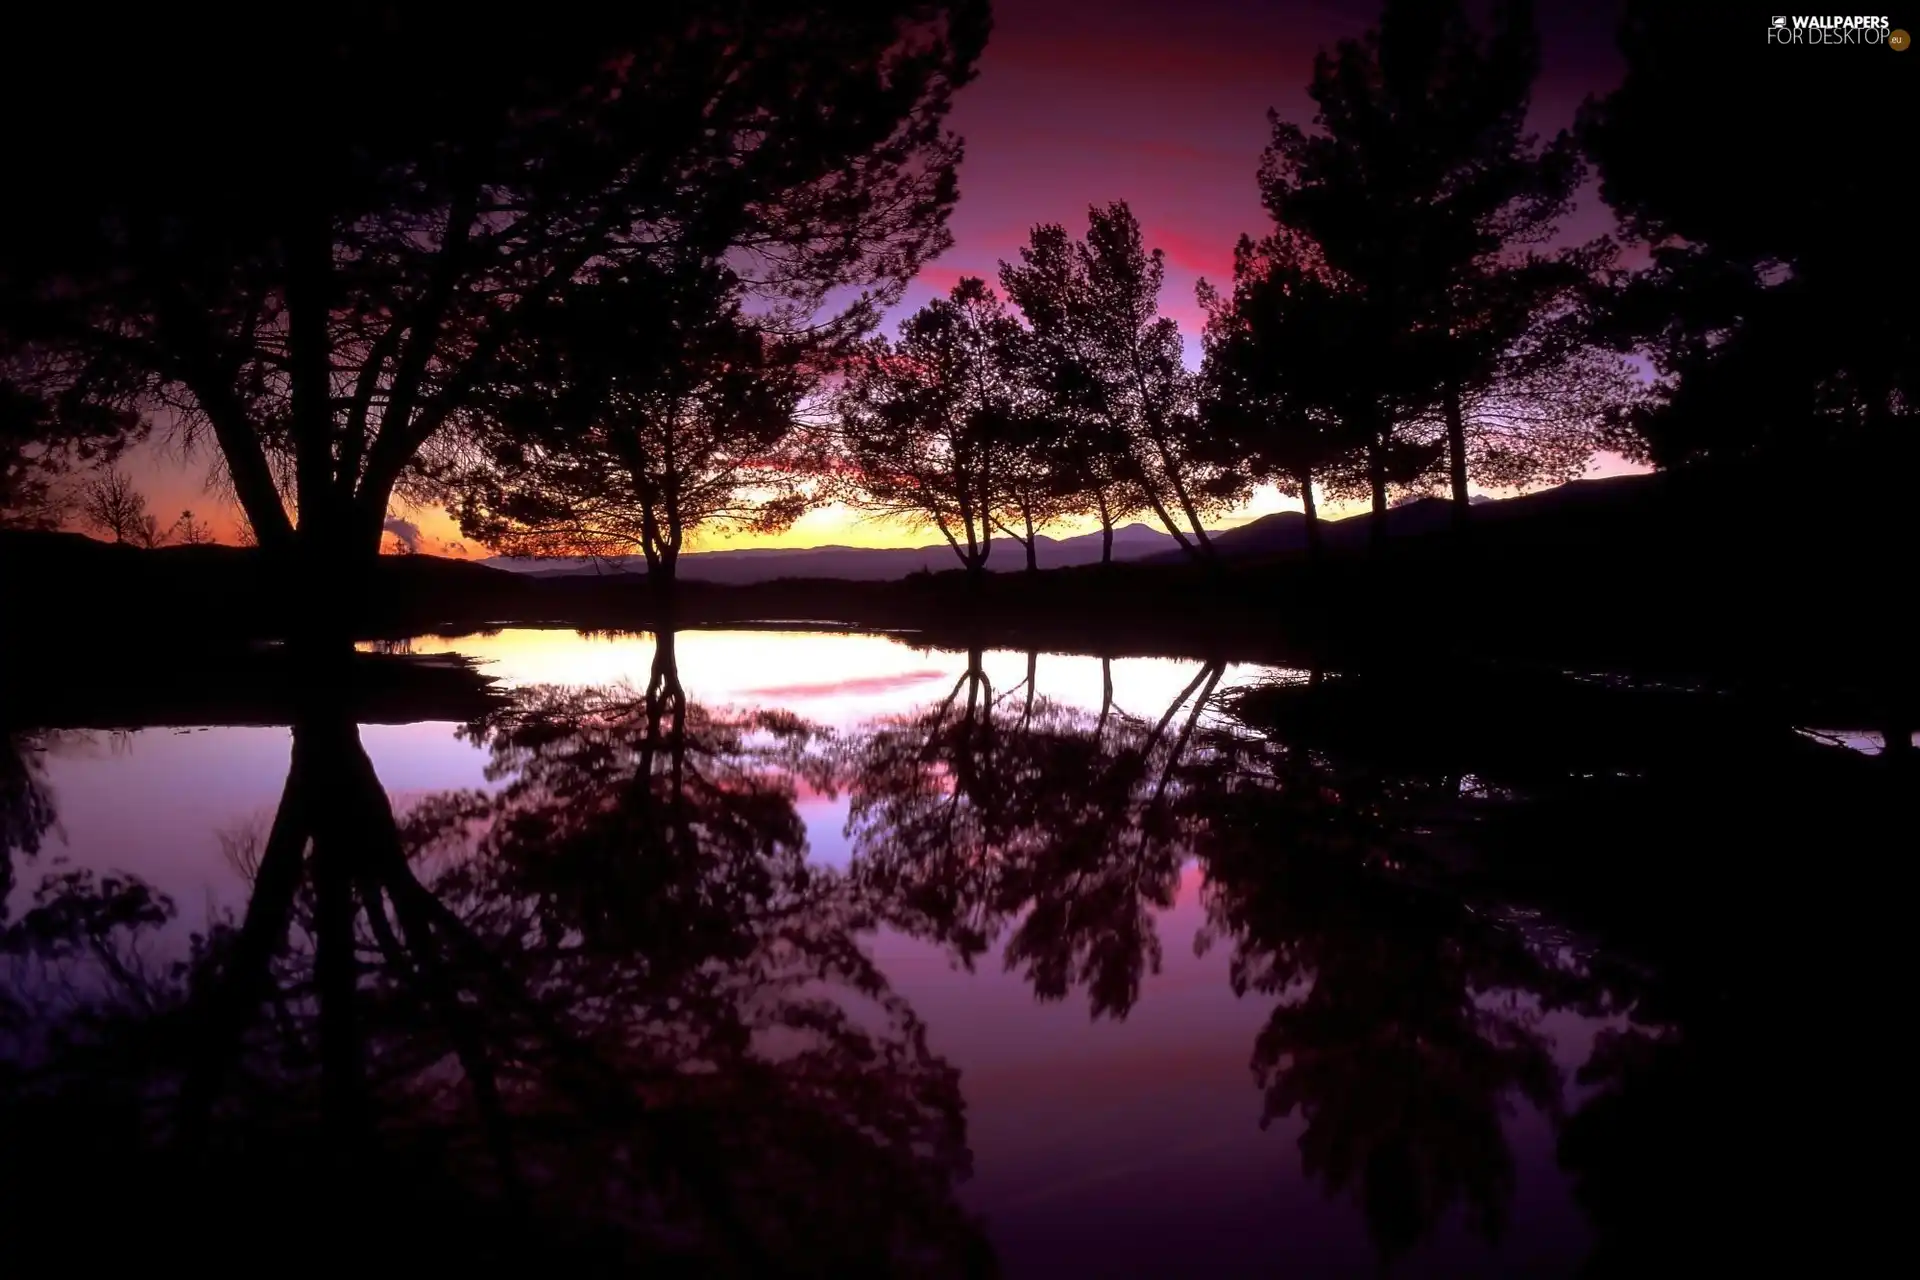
(173, 482)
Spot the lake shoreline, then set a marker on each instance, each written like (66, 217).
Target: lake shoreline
(1666, 578)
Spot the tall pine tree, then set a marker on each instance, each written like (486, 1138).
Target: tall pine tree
(1422, 191)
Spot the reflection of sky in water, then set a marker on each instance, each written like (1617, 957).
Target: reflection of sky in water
(154, 802)
(1110, 1147)
(836, 680)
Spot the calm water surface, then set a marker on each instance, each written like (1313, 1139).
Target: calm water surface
(928, 962)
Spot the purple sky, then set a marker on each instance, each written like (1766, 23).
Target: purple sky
(1079, 102)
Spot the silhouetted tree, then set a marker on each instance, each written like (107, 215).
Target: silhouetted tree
(1035, 489)
(114, 505)
(329, 292)
(1423, 193)
(1775, 332)
(1110, 363)
(189, 531)
(1090, 459)
(637, 414)
(45, 445)
(1086, 462)
(1274, 378)
(930, 426)
(1553, 398)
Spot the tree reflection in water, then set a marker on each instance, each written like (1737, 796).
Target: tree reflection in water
(985, 815)
(607, 1012)
(1406, 1024)
(26, 806)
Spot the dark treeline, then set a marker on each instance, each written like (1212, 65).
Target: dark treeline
(606, 293)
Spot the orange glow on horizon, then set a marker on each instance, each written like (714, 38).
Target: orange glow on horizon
(173, 486)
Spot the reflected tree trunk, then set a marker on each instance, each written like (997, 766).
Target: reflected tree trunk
(338, 829)
(1311, 510)
(227, 1005)
(1212, 673)
(976, 682)
(1209, 675)
(1106, 696)
(334, 830)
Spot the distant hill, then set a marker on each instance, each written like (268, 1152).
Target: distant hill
(1285, 532)
(853, 564)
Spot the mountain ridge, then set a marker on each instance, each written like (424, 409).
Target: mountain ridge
(1281, 533)
(740, 566)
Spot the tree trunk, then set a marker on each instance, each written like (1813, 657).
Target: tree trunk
(1377, 479)
(1171, 525)
(336, 970)
(224, 1008)
(1457, 454)
(333, 581)
(663, 579)
(1311, 510)
(351, 822)
(1106, 527)
(1204, 542)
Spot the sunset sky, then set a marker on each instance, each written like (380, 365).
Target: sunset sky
(1087, 101)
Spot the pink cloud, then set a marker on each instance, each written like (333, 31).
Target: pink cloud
(1201, 253)
(942, 277)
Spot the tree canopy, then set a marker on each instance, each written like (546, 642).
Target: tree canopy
(1765, 305)
(1114, 369)
(1425, 198)
(641, 411)
(930, 425)
(328, 286)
